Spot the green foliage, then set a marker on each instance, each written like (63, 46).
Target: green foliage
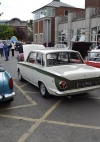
(20, 34)
(6, 32)
(30, 30)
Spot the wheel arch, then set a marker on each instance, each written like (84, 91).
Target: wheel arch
(39, 82)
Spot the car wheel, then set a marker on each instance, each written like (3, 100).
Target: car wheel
(43, 91)
(20, 76)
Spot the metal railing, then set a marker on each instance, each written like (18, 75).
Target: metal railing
(96, 11)
(79, 15)
(63, 19)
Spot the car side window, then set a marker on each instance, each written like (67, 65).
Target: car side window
(38, 58)
(32, 57)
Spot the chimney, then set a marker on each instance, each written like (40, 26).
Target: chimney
(92, 3)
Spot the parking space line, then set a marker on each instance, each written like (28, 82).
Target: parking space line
(50, 122)
(15, 78)
(19, 118)
(31, 92)
(23, 85)
(23, 92)
(97, 98)
(22, 106)
(73, 125)
(38, 122)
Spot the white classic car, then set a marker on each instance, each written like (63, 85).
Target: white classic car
(57, 72)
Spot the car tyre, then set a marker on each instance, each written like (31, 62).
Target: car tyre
(20, 76)
(43, 91)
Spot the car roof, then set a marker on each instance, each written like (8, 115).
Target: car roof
(40, 48)
(95, 50)
(50, 50)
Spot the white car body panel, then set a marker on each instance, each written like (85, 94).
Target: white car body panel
(72, 72)
(28, 47)
(48, 75)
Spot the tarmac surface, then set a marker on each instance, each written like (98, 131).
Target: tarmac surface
(30, 118)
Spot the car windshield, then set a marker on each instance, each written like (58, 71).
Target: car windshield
(93, 56)
(60, 46)
(63, 58)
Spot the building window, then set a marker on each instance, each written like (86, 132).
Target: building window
(95, 35)
(78, 35)
(82, 38)
(73, 38)
(41, 38)
(66, 12)
(35, 38)
(62, 36)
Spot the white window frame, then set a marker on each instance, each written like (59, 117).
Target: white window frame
(36, 39)
(41, 38)
(75, 35)
(64, 33)
(73, 38)
(82, 38)
(95, 35)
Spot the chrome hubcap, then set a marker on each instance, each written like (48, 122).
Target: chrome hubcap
(42, 89)
(19, 75)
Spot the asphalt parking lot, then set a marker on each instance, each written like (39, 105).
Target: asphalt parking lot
(30, 118)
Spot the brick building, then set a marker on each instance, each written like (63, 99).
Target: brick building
(92, 3)
(16, 23)
(44, 20)
(79, 26)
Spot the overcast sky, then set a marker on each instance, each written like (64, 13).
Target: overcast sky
(22, 8)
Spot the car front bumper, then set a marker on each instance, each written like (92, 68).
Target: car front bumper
(4, 97)
(73, 91)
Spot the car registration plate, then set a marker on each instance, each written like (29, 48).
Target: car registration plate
(86, 83)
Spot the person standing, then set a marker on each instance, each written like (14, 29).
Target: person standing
(5, 48)
(9, 47)
(45, 44)
(98, 44)
(50, 44)
(12, 48)
(20, 48)
(1, 48)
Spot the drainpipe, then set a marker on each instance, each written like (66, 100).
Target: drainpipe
(47, 26)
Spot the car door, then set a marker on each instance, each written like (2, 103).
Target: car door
(29, 66)
(37, 68)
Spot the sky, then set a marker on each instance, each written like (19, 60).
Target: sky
(22, 9)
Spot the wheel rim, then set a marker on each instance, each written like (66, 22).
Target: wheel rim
(19, 75)
(42, 89)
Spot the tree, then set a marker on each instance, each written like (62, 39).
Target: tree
(0, 13)
(30, 30)
(20, 34)
(6, 32)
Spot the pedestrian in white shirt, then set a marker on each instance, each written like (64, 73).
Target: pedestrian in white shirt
(1, 48)
(12, 48)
